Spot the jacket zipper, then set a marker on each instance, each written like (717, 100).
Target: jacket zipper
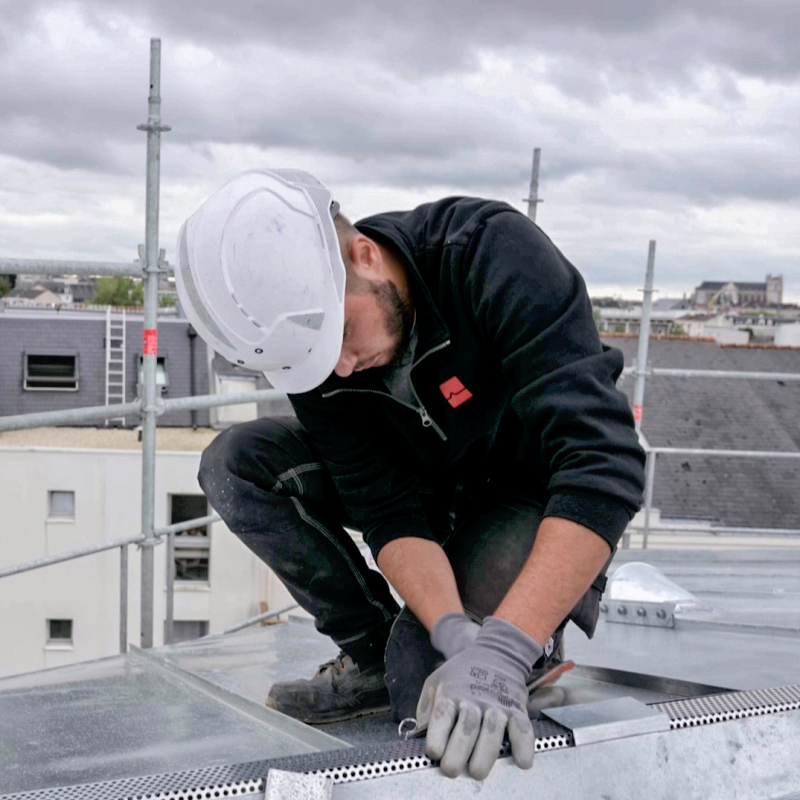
(430, 352)
(427, 420)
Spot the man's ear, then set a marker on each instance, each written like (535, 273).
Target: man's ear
(366, 257)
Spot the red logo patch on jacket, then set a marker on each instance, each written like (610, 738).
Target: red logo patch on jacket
(455, 392)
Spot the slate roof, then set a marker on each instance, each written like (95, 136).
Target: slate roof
(81, 292)
(25, 293)
(729, 414)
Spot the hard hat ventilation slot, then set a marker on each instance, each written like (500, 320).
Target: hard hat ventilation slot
(313, 321)
(245, 312)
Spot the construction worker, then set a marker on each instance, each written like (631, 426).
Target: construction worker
(454, 403)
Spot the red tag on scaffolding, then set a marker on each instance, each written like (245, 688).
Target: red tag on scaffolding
(637, 413)
(150, 343)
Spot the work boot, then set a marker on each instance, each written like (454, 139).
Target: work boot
(340, 690)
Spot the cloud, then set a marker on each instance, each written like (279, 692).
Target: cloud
(752, 38)
(654, 118)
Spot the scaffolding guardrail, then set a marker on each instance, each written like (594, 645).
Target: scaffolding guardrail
(713, 373)
(641, 370)
(650, 470)
(67, 416)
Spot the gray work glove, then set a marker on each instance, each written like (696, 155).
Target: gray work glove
(475, 696)
(453, 632)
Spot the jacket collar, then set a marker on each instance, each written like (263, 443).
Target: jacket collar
(433, 330)
(431, 327)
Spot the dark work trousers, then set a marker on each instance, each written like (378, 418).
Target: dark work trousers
(271, 489)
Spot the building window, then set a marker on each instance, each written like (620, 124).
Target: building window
(51, 372)
(162, 379)
(184, 630)
(192, 546)
(59, 631)
(61, 505)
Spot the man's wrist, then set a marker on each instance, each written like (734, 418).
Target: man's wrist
(505, 637)
(421, 573)
(453, 632)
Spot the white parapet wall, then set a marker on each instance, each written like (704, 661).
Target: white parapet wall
(726, 335)
(788, 335)
(689, 534)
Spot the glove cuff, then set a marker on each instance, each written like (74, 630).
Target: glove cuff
(507, 638)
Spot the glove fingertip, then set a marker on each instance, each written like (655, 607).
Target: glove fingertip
(440, 725)
(451, 767)
(523, 757)
(523, 741)
(480, 767)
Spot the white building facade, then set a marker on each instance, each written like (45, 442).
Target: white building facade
(62, 498)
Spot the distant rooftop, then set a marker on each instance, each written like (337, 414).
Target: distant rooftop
(746, 286)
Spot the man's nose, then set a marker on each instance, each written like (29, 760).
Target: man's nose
(346, 364)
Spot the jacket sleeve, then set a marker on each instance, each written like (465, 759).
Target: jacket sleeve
(531, 305)
(376, 486)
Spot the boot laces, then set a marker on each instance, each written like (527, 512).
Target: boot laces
(336, 664)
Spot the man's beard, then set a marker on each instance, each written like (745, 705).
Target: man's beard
(398, 317)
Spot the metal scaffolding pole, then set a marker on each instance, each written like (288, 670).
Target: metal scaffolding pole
(169, 623)
(215, 400)
(67, 416)
(697, 451)
(533, 196)
(123, 599)
(661, 372)
(180, 527)
(69, 555)
(38, 563)
(648, 495)
(644, 337)
(261, 618)
(150, 408)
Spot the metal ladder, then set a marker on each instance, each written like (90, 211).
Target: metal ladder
(115, 361)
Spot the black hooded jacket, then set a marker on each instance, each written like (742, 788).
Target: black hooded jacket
(512, 380)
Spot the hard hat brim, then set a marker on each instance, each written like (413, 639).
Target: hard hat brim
(321, 361)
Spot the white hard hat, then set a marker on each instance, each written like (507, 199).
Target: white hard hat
(261, 277)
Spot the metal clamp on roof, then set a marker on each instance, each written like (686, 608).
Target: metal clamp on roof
(640, 594)
(657, 615)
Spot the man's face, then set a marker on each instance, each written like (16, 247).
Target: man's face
(377, 326)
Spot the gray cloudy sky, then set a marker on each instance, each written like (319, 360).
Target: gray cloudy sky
(677, 121)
